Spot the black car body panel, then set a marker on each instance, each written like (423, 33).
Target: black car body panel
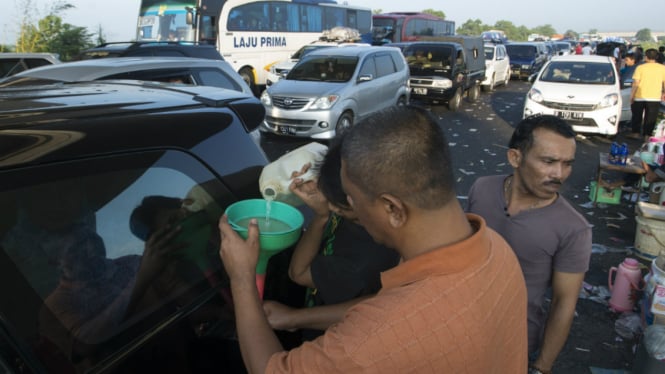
(76, 163)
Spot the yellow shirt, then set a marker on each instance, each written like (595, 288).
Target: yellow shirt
(651, 77)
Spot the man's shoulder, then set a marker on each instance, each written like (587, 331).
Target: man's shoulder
(573, 217)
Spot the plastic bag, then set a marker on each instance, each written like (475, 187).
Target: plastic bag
(654, 341)
(628, 325)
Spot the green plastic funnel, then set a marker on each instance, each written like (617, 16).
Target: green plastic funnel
(282, 231)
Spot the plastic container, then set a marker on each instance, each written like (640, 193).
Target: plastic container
(649, 237)
(277, 176)
(627, 282)
(605, 196)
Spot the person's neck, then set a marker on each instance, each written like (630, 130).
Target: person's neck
(428, 230)
(518, 199)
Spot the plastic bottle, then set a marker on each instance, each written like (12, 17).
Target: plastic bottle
(627, 282)
(623, 154)
(614, 152)
(276, 177)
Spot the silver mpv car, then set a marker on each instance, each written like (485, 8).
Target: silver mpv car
(330, 89)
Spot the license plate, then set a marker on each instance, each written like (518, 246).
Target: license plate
(419, 91)
(574, 116)
(515, 71)
(286, 130)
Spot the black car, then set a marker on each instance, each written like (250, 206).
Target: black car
(162, 48)
(110, 196)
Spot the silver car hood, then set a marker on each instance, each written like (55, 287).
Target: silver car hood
(293, 88)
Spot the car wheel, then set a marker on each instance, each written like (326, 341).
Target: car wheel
(344, 123)
(490, 87)
(248, 77)
(455, 101)
(474, 93)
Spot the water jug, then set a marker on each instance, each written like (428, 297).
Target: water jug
(627, 282)
(276, 177)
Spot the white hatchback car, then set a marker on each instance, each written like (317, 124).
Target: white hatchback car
(497, 66)
(582, 89)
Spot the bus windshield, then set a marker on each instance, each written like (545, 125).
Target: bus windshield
(161, 20)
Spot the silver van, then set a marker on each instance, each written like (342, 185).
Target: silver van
(330, 89)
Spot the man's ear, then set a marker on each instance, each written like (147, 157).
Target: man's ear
(395, 209)
(514, 157)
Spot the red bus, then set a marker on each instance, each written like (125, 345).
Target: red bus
(398, 27)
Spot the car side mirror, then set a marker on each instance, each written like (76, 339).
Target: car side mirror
(365, 78)
(532, 77)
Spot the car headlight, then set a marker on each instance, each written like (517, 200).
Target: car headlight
(535, 95)
(442, 83)
(609, 100)
(265, 98)
(323, 103)
(526, 66)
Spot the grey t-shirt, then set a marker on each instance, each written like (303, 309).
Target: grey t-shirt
(552, 238)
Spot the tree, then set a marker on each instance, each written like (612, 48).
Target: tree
(437, 13)
(472, 27)
(570, 34)
(52, 35)
(644, 35)
(545, 30)
(508, 28)
(377, 11)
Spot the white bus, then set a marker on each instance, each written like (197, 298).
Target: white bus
(250, 34)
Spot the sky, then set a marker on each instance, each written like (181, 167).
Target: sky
(118, 17)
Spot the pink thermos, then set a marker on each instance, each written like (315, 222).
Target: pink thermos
(627, 282)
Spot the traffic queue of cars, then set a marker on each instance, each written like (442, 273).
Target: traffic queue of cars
(92, 151)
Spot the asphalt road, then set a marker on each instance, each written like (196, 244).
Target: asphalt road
(478, 134)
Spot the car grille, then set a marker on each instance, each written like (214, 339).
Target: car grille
(420, 82)
(586, 122)
(286, 102)
(299, 124)
(569, 106)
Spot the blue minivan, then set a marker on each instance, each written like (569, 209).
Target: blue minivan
(526, 58)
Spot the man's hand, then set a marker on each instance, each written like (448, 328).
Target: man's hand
(279, 315)
(238, 255)
(308, 192)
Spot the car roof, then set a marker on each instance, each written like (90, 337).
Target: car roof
(94, 113)
(156, 48)
(585, 58)
(45, 55)
(358, 51)
(77, 71)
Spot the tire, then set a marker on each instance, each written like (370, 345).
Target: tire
(455, 101)
(490, 87)
(401, 101)
(344, 122)
(474, 93)
(248, 77)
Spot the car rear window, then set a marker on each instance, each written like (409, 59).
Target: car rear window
(579, 72)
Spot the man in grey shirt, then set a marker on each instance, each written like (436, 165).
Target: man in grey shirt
(550, 238)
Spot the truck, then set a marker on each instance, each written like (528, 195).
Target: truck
(445, 68)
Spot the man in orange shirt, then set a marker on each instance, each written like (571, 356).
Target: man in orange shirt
(456, 303)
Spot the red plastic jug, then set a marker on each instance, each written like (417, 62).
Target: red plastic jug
(627, 282)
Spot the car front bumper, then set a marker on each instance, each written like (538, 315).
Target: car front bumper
(603, 121)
